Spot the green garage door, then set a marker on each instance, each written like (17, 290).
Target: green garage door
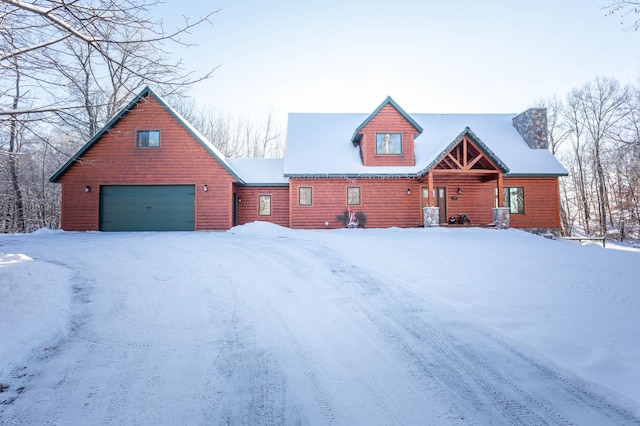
(147, 208)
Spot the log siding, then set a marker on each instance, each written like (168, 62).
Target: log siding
(388, 120)
(541, 202)
(248, 208)
(385, 202)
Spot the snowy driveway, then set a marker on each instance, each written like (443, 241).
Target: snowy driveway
(217, 328)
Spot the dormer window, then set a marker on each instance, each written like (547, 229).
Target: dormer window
(388, 143)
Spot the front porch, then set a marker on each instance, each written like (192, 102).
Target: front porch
(464, 185)
(500, 215)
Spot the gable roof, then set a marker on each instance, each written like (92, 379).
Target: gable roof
(357, 136)
(199, 137)
(322, 152)
(468, 132)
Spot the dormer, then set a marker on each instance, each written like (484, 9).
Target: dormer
(386, 137)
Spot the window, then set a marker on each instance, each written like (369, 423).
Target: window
(388, 143)
(304, 196)
(148, 139)
(353, 195)
(264, 205)
(514, 199)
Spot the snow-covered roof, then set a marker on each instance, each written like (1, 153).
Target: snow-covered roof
(259, 171)
(320, 145)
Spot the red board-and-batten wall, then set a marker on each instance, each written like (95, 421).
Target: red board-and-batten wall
(115, 160)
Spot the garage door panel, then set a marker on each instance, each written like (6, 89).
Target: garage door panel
(147, 208)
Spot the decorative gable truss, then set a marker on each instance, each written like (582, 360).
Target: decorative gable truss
(468, 154)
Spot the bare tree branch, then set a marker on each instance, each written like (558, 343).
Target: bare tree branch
(28, 49)
(625, 9)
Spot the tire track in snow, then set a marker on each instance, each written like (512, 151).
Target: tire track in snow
(269, 377)
(508, 398)
(571, 389)
(321, 396)
(481, 366)
(362, 380)
(466, 372)
(65, 388)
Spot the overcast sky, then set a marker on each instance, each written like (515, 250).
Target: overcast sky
(429, 56)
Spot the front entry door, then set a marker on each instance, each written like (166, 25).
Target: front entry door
(440, 197)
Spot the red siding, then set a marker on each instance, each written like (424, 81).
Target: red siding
(385, 202)
(541, 202)
(248, 208)
(115, 160)
(388, 120)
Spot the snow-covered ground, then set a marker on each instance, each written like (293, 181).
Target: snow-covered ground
(266, 325)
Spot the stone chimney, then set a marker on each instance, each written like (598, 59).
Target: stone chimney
(532, 126)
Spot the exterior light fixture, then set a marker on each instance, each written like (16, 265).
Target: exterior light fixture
(408, 191)
(459, 191)
(205, 188)
(87, 188)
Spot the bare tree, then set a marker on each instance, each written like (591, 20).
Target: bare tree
(603, 106)
(68, 66)
(14, 213)
(108, 29)
(578, 171)
(234, 137)
(603, 159)
(625, 10)
(557, 127)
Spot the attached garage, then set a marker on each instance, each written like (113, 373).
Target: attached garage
(147, 208)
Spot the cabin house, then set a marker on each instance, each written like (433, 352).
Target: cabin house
(149, 169)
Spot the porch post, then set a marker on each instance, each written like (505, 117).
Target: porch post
(500, 190)
(430, 184)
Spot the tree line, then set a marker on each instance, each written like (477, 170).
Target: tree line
(595, 132)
